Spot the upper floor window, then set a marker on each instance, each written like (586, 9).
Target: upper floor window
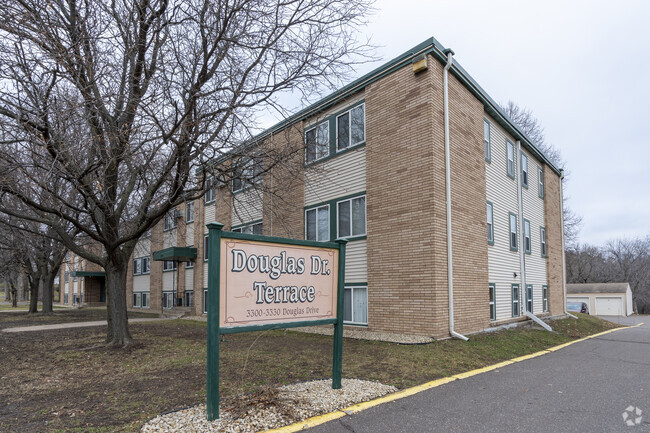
(540, 182)
(350, 128)
(210, 190)
(513, 232)
(490, 223)
(251, 229)
(170, 220)
(146, 265)
(246, 173)
(317, 140)
(486, 140)
(510, 154)
(206, 245)
(352, 217)
(527, 236)
(524, 170)
(317, 224)
(542, 238)
(189, 211)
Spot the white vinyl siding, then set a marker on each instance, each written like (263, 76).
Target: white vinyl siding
(170, 238)
(189, 279)
(246, 207)
(141, 283)
(209, 212)
(189, 234)
(337, 177)
(356, 261)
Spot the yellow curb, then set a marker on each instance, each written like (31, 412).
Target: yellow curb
(350, 410)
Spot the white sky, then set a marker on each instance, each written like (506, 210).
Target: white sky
(582, 67)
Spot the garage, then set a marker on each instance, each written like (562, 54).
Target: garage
(603, 299)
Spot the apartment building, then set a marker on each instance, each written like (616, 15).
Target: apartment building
(375, 163)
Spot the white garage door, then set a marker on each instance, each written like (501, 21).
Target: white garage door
(609, 307)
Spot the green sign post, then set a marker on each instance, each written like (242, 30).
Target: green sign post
(261, 282)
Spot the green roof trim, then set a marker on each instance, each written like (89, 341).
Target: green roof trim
(87, 274)
(177, 254)
(429, 46)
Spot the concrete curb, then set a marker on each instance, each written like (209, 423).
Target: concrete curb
(356, 408)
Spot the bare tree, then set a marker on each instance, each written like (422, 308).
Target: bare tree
(118, 103)
(532, 127)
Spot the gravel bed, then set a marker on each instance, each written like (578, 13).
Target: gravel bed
(277, 408)
(363, 334)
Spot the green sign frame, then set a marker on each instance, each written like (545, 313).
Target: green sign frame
(215, 234)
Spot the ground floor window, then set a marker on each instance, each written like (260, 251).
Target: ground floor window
(205, 301)
(493, 306)
(65, 298)
(355, 305)
(251, 229)
(529, 298)
(515, 300)
(189, 298)
(545, 298)
(168, 300)
(137, 300)
(145, 300)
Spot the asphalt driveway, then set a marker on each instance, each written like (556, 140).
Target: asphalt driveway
(585, 387)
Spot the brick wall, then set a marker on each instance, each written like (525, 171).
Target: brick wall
(553, 218)
(155, 278)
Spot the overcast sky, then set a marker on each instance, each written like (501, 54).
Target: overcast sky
(582, 67)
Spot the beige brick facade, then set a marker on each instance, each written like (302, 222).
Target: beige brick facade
(553, 217)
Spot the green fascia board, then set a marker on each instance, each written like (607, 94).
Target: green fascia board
(87, 274)
(177, 254)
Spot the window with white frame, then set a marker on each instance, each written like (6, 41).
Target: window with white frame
(513, 232)
(188, 299)
(205, 248)
(493, 305)
(137, 267)
(351, 215)
(529, 298)
(145, 300)
(169, 221)
(524, 170)
(542, 240)
(169, 265)
(355, 305)
(137, 300)
(168, 300)
(146, 265)
(317, 140)
(545, 299)
(510, 154)
(246, 172)
(486, 140)
(515, 300)
(189, 212)
(350, 128)
(527, 242)
(205, 301)
(210, 190)
(540, 182)
(490, 223)
(251, 229)
(317, 223)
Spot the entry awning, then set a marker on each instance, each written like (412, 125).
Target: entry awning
(177, 254)
(87, 274)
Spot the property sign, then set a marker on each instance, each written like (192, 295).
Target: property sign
(259, 282)
(266, 283)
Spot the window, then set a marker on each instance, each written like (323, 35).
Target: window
(145, 300)
(205, 301)
(355, 305)
(251, 229)
(352, 217)
(137, 300)
(66, 277)
(529, 298)
(137, 267)
(168, 300)
(169, 222)
(493, 306)
(65, 298)
(205, 248)
(545, 299)
(246, 172)
(515, 300)
(486, 140)
(510, 150)
(189, 212)
(527, 236)
(490, 223)
(317, 224)
(513, 232)
(540, 182)
(524, 170)
(350, 128)
(317, 140)
(542, 240)
(210, 191)
(190, 263)
(169, 265)
(189, 298)
(146, 265)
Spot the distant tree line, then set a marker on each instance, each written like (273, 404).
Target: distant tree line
(621, 260)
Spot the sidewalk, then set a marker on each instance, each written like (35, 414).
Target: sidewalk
(72, 325)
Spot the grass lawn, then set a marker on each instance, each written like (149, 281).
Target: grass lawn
(24, 307)
(60, 381)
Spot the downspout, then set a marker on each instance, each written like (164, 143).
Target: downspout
(522, 245)
(563, 245)
(450, 273)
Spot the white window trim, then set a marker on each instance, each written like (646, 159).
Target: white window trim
(316, 209)
(528, 240)
(510, 146)
(493, 302)
(365, 221)
(173, 268)
(524, 170)
(193, 206)
(490, 223)
(241, 228)
(353, 322)
(351, 145)
(540, 182)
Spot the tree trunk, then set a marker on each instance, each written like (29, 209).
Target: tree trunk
(7, 291)
(14, 295)
(33, 294)
(118, 325)
(48, 292)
